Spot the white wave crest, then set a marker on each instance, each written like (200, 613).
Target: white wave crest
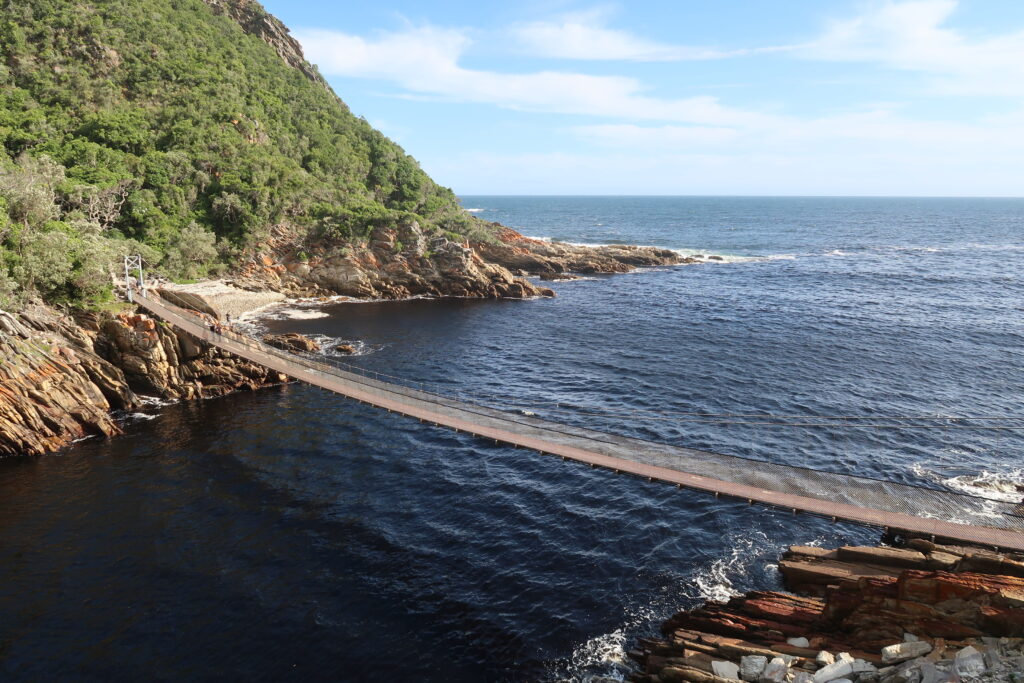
(1002, 487)
(702, 255)
(156, 401)
(329, 346)
(602, 658)
(1006, 487)
(475, 210)
(297, 314)
(715, 582)
(141, 416)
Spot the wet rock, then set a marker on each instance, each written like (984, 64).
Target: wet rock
(347, 349)
(291, 341)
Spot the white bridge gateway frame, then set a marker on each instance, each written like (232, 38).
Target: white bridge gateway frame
(133, 263)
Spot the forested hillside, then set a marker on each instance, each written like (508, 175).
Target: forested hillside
(172, 128)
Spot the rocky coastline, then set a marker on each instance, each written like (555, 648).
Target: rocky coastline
(65, 376)
(916, 613)
(403, 261)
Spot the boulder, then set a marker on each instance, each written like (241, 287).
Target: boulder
(724, 669)
(291, 341)
(834, 671)
(970, 662)
(751, 667)
(901, 652)
(798, 642)
(776, 671)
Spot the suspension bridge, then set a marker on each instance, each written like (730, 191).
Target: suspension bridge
(944, 515)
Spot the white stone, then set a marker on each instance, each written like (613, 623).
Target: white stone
(844, 657)
(799, 642)
(970, 662)
(833, 671)
(751, 667)
(862, 667)
(910, 638)
(825, 658)
(802, 677)
(776, 671)
(724, 669)
(903, 651)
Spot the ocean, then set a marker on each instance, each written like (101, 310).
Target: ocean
(290, 534)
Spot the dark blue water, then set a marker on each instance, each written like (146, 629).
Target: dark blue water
(291, 534)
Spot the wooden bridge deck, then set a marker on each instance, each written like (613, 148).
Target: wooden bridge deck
(883, 504)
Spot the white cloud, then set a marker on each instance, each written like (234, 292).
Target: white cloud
(699, 144)
(425, 61)
(632, 136)
(881, 128)
(585, 36)
(915, 36)
(851, 169)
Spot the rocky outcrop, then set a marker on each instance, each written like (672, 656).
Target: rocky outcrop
(291, 341)
(552, 259)
(403, 261)
(162, 361)
(53, 389)
(60, 378)
(873, 614)
(394, 263)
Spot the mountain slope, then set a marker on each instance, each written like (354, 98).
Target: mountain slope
(189, 127)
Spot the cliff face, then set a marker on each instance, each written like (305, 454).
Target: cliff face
(256, 21)
(53, 390)
(60, 378)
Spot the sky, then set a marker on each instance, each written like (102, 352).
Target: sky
(686, 97)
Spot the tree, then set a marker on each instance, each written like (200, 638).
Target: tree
(191, 254)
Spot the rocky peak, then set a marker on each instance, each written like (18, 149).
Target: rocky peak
(256, 21)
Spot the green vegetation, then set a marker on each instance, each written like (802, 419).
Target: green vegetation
(161, 128)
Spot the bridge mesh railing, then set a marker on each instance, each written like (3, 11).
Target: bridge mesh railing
(863, 492)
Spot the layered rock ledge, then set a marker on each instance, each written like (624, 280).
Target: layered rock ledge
(61, 378)
(923, 613)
